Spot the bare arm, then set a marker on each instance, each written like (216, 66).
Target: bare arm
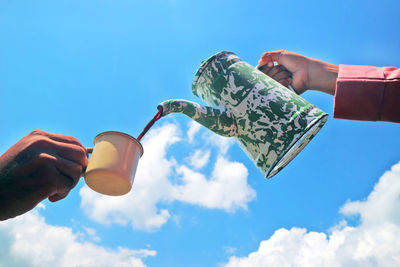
(304, 73)
(361, 92)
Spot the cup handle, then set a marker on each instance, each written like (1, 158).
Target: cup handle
(89, 150)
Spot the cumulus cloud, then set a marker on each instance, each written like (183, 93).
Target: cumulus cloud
(374, 242)
(199, 158)
(160, 179)
(226, 189)
(223, 143)
(194, 128)
(29, 241)
(92, 234)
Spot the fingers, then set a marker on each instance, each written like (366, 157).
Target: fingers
(69, 169)
(268, 58)
(278, 73)
(57, 197)
(40, 166)
(55, 176)
(272, 71)
(56, 161)
(66, 170)
(65, 146)
(59, 137)
(71, 152)
(277, 70)
(286, 82)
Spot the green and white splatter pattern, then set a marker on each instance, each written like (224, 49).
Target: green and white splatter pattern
(270, 122)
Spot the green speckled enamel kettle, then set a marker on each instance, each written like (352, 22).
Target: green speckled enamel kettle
(270, 122)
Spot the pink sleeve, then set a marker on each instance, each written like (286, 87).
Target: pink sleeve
(368, 93)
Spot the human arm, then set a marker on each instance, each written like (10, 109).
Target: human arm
(306, 73)
(41, 165)
(361, 92)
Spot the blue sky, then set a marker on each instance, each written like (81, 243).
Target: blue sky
(83, 67)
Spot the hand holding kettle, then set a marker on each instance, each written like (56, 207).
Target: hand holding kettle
(302, 73)
(366, 93)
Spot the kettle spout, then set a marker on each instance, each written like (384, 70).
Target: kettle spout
(219, 121)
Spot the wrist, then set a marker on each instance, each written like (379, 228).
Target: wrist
(323, 76)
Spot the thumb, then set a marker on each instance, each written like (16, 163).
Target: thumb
(269, 58)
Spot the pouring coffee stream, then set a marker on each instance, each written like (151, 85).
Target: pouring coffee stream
(89, 150)
(150, 124)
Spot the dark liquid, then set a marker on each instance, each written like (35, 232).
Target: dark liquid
(150, 124)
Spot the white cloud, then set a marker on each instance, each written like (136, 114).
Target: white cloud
(374, 242)
(194, 128)
(156, 182)
(230, 250)
(29, 241)
(226, 189)
(223, 143)
(199, 158)
(92, 234)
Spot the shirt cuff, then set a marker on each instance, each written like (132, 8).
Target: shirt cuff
(359, 93)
